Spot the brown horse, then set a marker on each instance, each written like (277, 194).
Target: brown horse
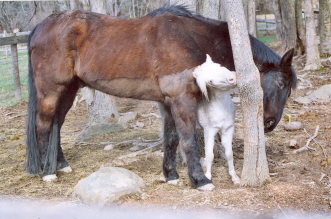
(150, 58)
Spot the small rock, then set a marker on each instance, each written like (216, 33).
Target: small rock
(128, 117)
(292, 126)
(140, 124)
(109, 147)
(134, 148)
(293, 144)
(236, 99)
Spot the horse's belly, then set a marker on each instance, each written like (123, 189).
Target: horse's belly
(142, 89)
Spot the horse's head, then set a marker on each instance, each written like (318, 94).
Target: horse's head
(277, 81)
(212, 74)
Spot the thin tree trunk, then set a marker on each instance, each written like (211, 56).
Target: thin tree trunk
(301, 34)
(73, 4)
(313, 57)
(325, 27)
(255, 169)
(251, 17)
(288, 31)
(278, 17)
(209, 9)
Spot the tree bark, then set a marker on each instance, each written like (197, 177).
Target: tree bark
(325, 27)
(288, 30)
(278, 17)
(251, 17)
(100, 106)
(313, 57)
(209, 9)
(255, 170)
(301, 33)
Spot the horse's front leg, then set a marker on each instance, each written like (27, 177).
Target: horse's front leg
(184, 113)
(227, 136)
(170, 143)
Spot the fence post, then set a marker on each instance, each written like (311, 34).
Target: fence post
(17, 83)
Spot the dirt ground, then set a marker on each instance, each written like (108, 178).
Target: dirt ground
(300, 182)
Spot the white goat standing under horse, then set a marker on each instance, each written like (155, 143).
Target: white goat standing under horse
(216, 112)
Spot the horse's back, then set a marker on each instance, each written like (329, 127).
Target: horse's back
(110, 47)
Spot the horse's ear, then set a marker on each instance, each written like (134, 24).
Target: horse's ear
(286, 61)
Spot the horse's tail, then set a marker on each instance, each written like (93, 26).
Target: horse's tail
(32, 163)
(33, 159)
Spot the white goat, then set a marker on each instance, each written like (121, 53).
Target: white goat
(216, 112)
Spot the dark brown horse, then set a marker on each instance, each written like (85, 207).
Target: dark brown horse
(150, 58)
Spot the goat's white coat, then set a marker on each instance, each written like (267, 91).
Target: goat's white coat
(216, 112)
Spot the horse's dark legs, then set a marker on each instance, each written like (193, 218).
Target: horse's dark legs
(65, 104)
(183, 111)
(47, 132)
(170, 143)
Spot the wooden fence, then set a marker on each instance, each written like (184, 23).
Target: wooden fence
(13, 40)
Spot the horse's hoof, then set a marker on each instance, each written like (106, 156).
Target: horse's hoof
(49, 178)
(173, 182)
(66, 169)
(207, 187)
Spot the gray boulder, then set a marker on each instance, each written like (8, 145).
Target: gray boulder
(98, 129)
(323, 93)
(108, 185)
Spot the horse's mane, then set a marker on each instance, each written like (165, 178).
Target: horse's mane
(181, 10)
(262, 54)
(260, 51)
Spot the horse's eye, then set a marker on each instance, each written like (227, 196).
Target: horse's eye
(280, 84)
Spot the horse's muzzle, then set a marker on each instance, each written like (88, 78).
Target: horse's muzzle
(269, 125)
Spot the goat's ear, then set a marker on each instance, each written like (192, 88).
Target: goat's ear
(208, 59)
(195, 72)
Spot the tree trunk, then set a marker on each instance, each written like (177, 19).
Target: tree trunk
(301, 33)
(313, 57)
(288, 31)
(209, 9)
(251, 18)
(255, 169)
(100, 106)
(325, 27)
(73, 4)
(278, 17)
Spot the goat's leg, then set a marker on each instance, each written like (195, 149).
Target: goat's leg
(227, 136)
(209, 135)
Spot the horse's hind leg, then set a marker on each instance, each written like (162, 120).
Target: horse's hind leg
(65, 104)
(171, 140)
(47, 130)
(227, 136)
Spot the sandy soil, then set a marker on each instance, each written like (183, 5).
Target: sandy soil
(300, 182)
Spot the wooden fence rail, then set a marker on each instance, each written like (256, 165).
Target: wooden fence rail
(13, 40)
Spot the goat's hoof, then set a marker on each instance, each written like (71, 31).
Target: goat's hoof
(236, 182)
(207, 187)
(49, 178)
(66, 169)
